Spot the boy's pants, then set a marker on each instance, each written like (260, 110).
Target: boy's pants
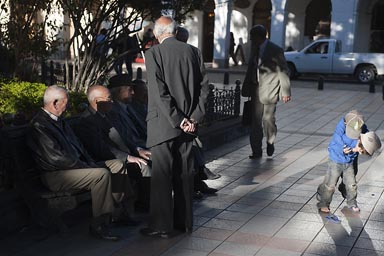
(327, 188)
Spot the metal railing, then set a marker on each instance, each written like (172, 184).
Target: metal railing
(222, 104)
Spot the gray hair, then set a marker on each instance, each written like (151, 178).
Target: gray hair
(94, 92)
(165, 29)
(54, 92)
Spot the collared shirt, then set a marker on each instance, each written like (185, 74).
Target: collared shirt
(54, 117)
(166, 37)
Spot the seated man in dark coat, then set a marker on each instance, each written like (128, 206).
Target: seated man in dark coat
(66, 165)
(104, 142)
(123, 119)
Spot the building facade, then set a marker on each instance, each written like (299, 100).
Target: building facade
(359, 24)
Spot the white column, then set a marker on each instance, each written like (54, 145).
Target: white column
(343, 23)
(221, 36)
(278, 27)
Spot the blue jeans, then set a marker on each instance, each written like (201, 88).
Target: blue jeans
(327, 188)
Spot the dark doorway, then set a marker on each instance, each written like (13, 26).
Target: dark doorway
(318, 19)
(377, 28)
(262, 14)
(208, 30)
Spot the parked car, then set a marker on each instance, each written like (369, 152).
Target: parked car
(324, 56)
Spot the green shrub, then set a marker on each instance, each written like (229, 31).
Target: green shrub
(78, 102)
(17, 96)
(27, 98)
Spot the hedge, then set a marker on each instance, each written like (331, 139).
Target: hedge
(27, 98)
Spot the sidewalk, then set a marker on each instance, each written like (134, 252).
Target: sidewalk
(266, 206)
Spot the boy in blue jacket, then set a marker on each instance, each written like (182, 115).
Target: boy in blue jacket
(351, 138)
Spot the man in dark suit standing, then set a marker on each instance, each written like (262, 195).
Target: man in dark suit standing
(266, 81)
(178, 89)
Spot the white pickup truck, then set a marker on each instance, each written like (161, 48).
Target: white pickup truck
(324, 56)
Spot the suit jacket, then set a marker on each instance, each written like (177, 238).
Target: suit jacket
(126, 126)
(177, 88)
(273, 81)
(135, 112)
(97, 133)
(55, 146)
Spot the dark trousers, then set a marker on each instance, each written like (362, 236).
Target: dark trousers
(172, 171)
(263, 122)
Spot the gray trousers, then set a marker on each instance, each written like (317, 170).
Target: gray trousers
(263, 119)
(97, 180)
(327, 188)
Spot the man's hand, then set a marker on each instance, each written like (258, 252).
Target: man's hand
(286, 98)
(137, 160)
(347, 150)
(146, 154)
(359, 147)
(188, 126)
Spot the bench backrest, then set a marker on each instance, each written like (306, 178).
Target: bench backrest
(18, 157)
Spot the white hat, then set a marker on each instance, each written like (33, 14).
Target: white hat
(371, 142)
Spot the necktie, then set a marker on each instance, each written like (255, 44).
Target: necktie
(256, 61)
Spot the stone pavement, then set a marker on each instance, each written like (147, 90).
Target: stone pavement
(265, 206)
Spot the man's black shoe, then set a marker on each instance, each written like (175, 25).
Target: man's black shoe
(126, 220)
(203, 188)
(197, 195)
(101, 232)
(154, 233)
(209, 191)
(210, 175)
(183, 229)
(255, 155)
(270, 149)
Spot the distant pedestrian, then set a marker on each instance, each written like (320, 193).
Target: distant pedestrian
(126, 49)
(266, 82)
(101, 49)
(232, 48)
(148, 38)
(346, 144)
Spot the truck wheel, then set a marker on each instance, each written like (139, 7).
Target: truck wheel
(292, 73)
(366, 74)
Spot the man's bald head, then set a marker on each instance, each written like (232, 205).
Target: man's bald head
(96, 91)
(165, 26)
(55, 100)
(97, 94)
(53, 93)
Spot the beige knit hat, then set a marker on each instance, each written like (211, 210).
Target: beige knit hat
(371, 142)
